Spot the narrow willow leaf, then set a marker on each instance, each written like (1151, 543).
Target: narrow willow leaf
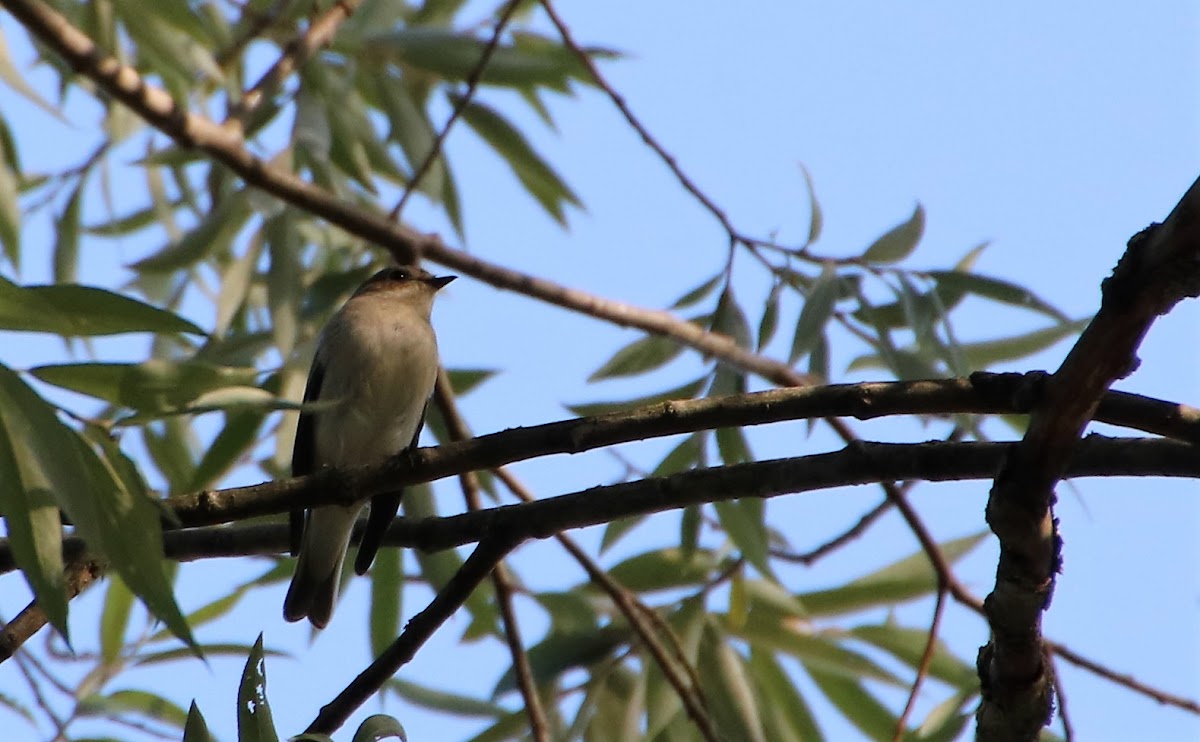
(687, 391)
(640, 356)
(558, 653)
(696, 295)
(988, 353)
(377, 727)
(213, 234)
(619, 706)
(10, 207)
(743, 522)
(136, 702)
(66, 238)
(728, 689)
(540, 180)
(770, 630)
(114, 618)
(998, 290)
(235, 442)
(665, 569)
(387, 588)
(437, 700)
(254, 713)
(818, 308)
(15, 80)
(909, 578)
(119, 506)
(454, 55)
(730, 319)
(784, 709)
(464, 380)
(899, 242)
(82, 311)
(196, 729)
(856, 704)
(27, 501)
(816, 219)
(154, 385)
(908, 645)
(615, 530)
(967, 262)
(769, 322)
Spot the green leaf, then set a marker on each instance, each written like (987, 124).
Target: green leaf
(995, 289)
(694, 296)
(213, 234)
(986, 354)
(377, 727)
(231, 446)
(640, 356)
(140, 702)
(454, 55)
(114, 619)
(558, 653)
(909, 578)
(730, 319)
(196, 729)
(254, 713)
(687, 391)
(818, 308)
(153, 386)
(779, 633)
(908, 645)
(451, 703)
(815, 218)
(10, 190)
(387, 585)
(118, 506)
(769, 322)
(78, 311)
(535, 174)
(858, 706)
(899, 242)
(728, 689)
(66, 238)
(665, 569)
(743, 522)
(464, 380)
(786, 715)
(36, 467)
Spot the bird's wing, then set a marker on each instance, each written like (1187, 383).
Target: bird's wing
(383, 510)
(304, 451)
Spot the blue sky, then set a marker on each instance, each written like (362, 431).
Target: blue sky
(1053, 132)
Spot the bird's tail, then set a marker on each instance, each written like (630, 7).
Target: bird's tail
(314, 587)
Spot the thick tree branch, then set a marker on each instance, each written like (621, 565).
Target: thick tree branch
(1160, 267)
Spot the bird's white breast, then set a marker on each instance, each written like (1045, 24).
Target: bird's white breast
(380, 361)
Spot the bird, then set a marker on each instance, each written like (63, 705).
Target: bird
(374, 370)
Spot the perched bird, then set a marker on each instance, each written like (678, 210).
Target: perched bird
(375, 368)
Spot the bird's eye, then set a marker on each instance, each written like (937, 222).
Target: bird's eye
(399, 274)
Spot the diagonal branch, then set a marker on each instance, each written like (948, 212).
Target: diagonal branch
(1160, 267)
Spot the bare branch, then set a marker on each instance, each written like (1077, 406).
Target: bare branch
(1160, 267)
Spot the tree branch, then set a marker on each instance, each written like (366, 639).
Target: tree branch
(1160, 267)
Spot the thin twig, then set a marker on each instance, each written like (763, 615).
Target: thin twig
(539, 727)
(923, 666)
(473, 80)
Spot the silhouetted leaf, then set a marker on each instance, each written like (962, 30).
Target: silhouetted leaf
(377, 727)
(995, 289)
(818, 308)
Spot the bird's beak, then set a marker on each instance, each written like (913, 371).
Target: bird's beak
(439, 281)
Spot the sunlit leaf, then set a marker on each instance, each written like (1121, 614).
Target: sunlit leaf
(437, 700)
(909, 578)
(539, 179)
(640, 356)
(818, 308)
(114, 618)
(387, 586)
(856, 704)
(728, 689)
(139, 702)
(784, 710)
(77, 311)
(899, 242)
